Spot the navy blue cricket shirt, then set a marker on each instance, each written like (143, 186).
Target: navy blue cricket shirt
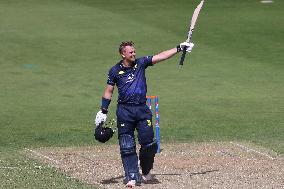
(130, 81)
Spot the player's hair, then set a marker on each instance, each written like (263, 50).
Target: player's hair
(124, 44)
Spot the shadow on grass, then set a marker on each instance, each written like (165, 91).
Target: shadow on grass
(203, 172)
(114, 180)
(111, 180)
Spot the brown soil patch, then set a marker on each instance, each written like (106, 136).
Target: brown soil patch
(196, 165)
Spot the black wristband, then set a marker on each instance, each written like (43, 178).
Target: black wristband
(178, 48)
(104, 111)
(105, 104)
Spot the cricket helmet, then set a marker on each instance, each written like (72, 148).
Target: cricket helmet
(103, 134)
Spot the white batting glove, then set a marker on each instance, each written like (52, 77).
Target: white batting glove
(100, 118)
(186, 45)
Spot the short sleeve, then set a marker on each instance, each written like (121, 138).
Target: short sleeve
(146, 61)
(111, 77)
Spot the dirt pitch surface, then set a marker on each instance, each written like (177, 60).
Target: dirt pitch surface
(196, 165)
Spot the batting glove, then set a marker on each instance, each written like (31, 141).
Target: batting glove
(188, 46)
(100, 118)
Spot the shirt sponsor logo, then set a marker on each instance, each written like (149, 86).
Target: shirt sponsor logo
(130, 78)
(121, 72)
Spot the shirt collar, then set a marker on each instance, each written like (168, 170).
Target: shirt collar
(125, 68)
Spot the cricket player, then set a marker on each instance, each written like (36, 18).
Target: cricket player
(132, 112)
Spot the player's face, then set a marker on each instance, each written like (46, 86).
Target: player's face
(129, 54)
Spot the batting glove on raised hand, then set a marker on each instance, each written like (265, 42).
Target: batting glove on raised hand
(188, 46)
(100, 118)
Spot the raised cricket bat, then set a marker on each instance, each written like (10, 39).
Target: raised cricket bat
(191, 28)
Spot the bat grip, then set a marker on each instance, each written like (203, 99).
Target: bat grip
(182, 57)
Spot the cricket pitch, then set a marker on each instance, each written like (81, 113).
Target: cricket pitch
(193, 165)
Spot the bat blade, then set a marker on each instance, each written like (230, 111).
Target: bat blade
(195, 16)
(191, 28)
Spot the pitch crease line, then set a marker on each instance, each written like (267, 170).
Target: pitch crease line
(250, 149)
(9, 168)
(41, 155)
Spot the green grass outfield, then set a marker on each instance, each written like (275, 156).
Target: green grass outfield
(55, 54)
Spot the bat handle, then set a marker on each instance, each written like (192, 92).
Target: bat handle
(182, 57)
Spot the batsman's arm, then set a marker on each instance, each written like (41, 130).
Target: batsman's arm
(107, 98)
(108, 92)
(164, 55)
(171, 52)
